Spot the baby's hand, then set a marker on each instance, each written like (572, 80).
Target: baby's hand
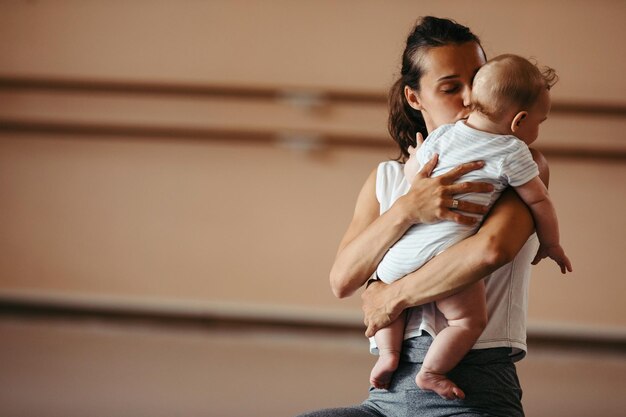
(557, 254)
(419, 140)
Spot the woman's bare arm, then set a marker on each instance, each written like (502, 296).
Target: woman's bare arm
(370, 235)
(365, 242)
(497, 242)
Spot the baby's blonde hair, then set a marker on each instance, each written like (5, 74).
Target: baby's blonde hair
(509, 82)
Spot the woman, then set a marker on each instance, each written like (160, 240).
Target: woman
(438, 65)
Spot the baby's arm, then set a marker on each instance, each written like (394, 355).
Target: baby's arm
(535, 195)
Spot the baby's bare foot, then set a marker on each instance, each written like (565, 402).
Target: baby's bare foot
(383, 370)
(430, 381)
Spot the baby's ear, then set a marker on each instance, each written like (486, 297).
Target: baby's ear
(517, 120)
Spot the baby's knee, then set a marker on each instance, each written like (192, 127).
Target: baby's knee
(478, 317)
(480, 321)
(475, 322)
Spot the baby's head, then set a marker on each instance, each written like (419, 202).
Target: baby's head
(511, 90)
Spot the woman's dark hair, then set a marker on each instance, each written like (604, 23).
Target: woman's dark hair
(404, 121)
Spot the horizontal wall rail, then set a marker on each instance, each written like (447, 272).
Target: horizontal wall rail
(307, 122)
(250, 320)
(252, 93)
(295, 140)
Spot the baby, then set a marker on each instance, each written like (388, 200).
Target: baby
(510, 98)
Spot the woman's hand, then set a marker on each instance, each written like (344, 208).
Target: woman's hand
(430, 200)
(377, 307)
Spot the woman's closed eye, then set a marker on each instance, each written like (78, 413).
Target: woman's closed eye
(450, 88)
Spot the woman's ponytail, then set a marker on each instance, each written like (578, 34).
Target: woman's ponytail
(404, 121)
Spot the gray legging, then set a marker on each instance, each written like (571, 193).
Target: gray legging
(487, 376)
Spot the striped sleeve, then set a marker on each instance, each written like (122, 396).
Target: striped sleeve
(519, 167)
(429, 148)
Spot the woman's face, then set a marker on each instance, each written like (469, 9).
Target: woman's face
(448, 72)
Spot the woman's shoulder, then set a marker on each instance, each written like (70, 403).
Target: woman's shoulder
(390, 166)
(390, 183)
(389, 172)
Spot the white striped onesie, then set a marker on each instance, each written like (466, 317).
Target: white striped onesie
(508, 161)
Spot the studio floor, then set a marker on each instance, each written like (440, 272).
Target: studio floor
(97, 368)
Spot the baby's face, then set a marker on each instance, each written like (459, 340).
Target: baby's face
(538, 113)
(411, 166)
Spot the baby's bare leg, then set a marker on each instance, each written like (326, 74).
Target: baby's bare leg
(466, 313)
(389, 342)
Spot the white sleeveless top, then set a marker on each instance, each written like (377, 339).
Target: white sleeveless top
(507, 288)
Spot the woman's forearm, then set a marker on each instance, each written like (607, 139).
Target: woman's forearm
(358, 257)
(503, 233)
(505, 230)
(496, 243)
(369, 235)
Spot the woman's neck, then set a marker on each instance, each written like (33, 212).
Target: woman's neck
(479, 121)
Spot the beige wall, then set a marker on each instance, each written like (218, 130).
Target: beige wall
(250, 227)
(350, 44)
(252, 223)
